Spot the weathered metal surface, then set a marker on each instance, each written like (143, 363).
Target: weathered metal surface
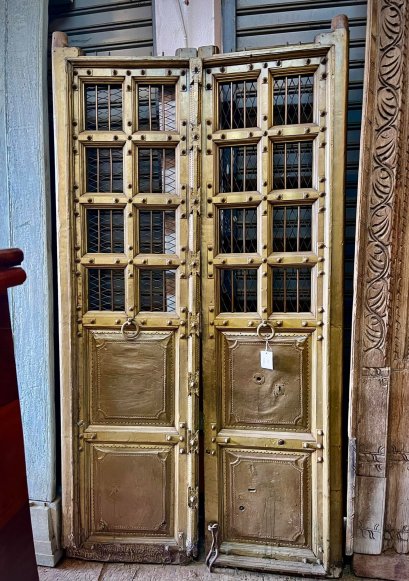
(264, 398)
(129, 315)
(134, 350)
(272, 436)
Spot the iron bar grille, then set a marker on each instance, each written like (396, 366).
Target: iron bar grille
(106, 289)
(238, 168)
(293, 100)
(157, 290)
(157, 170)
(291, 289)
(292, 165)
(105, 230)
(157, 232)
(238, 290)
(103, 107)
(104, 169)
(238, 104)
(292, 228)
(237, 230)
(156, 108)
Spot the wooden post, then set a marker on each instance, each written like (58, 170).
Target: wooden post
(378, 512)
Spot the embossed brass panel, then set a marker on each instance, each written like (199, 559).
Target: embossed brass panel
(129, 490)
(267, 497)
(262, 398)
(132, 382)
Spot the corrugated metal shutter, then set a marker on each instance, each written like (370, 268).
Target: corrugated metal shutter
(106, 27)
(262, 23)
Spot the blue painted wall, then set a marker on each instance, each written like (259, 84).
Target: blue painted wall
(25, 223)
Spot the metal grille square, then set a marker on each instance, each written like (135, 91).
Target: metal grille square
(156, 170)
(291, 290)
(238, 230)
(157, 232)
(105, 230)
(292, 165)
(292, 228)
(103, 107)
(104, 169)
(157, 290)
(238, 104)
(106, 289)
(156, 108)
(293, 100)
(238, 168)
(238, 290)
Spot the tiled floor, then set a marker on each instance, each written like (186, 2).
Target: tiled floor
(73, 570)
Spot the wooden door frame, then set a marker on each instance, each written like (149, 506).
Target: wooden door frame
(380, 359)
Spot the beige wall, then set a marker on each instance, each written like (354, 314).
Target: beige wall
(181, 25)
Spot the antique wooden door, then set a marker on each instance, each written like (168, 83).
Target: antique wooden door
(128, 340)
(199, 199)
(272, 214)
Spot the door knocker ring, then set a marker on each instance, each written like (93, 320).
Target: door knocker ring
(263, 325)
(132, 334)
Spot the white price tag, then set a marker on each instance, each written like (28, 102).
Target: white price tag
(266, 359)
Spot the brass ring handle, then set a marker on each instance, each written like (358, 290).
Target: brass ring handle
(129, 323)
(263, 325)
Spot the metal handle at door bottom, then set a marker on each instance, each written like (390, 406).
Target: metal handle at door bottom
(214, 549)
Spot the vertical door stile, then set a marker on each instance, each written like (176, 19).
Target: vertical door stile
(194, 319)
(62, 106)
(208, 251)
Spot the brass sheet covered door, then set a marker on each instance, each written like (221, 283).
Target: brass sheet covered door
(202, 199)
(272, 215)
(129, 352)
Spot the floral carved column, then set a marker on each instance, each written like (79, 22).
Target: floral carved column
(378, 507)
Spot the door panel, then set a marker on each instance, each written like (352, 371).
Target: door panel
(260, 398)
(132, 382)
(273, 132)
(257, 507)
(129, 492)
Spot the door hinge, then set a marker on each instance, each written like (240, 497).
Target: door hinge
(192, 443)
(194, 200)
(181, 540)
(193, 497)
(89, 435)
(193, 324)
(194, 263)
(193, 383)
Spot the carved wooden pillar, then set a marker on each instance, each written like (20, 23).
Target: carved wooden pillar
(378, 508)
